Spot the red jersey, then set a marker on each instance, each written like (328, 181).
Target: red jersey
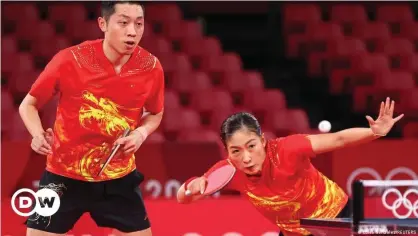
(96, 105)
(290, 187)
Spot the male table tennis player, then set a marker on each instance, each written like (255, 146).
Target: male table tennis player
(276, 175)
(104, 85)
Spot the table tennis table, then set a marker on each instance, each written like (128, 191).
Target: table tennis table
(345, 227)
(359, 224)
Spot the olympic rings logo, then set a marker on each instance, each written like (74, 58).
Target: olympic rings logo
(402, 199)
(376, 176)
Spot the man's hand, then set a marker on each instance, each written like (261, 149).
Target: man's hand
(384, 123)
(132, 142)
(42, 143)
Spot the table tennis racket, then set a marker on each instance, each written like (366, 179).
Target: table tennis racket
(218, 179)
(113, 152)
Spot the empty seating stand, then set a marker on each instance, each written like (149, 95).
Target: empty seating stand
(368, 51)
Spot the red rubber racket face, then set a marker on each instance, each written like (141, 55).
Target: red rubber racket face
(219, 178)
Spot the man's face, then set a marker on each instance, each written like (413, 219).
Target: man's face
(124, 28)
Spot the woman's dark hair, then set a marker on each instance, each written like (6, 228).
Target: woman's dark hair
(237, 121)
(108, 7)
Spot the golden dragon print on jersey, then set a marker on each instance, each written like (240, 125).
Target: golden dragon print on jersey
(103, 115)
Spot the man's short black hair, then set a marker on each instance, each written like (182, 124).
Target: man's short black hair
(108, 7)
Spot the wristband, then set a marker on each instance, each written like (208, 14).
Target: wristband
(143, 132)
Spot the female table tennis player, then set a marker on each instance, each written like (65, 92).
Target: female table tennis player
(276, 175)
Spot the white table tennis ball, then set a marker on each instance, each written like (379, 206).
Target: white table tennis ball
(324, 126)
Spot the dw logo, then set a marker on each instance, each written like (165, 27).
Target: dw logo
(47, 202)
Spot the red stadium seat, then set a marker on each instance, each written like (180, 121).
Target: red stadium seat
(407, 30)
(410, 130)
(180, 30)
(324, 43)
(395, 81)
(375, 35)
(7, 66)
(364, 69)
(7, 110)
(298, 121)
(297, 16)
(394, 13)
(211, 100)
(68, 14)
(348, 13)
(277, 121)
(21, 81)
(231, 62)
(180, 119)
(264, 100)
(18, 131)
(408, 62)
(254, 79)
(164, 13)
(202, 47)
(409, 99)
(148, 32)
(324, 31)
(91, 31)
(8, 45)
(217, 118)
(191, 81)
(317, 38)
(368, 98)
(24, 62)
(7, 103)
(156, 137)
(178, 62)
(398, 47)
(211, 63)
(242, 81)
(318, 61)
(35, 31)
(46, 49)
(348, 47)
(21, 12)
(345, 57)
(171, 100)
(199, 136)
(157, 45)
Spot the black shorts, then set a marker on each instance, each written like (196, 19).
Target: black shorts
(114, 204)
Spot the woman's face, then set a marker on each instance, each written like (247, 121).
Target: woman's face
(246, 151)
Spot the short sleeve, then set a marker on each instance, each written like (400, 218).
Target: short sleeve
(296, 151)
(46, 85)
(155, 101)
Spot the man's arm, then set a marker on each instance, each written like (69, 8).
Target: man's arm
(380, 127)
(41, 91)
(29, 113)
(150, 122)
(154, 106)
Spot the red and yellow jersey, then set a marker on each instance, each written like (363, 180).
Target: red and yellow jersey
(95, 106)
(290, 187)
